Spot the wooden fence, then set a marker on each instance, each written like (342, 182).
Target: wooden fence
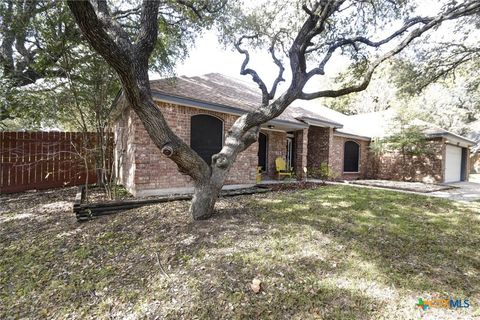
(42, 160)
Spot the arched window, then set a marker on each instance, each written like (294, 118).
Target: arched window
(351, 154)
(206, 136)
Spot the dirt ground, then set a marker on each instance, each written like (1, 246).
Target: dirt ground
(334, 252)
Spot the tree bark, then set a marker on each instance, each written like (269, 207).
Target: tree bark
(205, 196)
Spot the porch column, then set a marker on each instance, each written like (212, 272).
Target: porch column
(301, 142)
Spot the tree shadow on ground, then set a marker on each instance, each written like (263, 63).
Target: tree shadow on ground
(331, 253)
(418, 243)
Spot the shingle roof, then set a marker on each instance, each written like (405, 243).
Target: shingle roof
(230, 93)
(215, 88)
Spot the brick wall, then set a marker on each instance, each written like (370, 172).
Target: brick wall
(468, 164)
(142, 167)
(150, 170)
(301, 152)
(318, 146)
(277, 147)
(336, 158)
(426, 168)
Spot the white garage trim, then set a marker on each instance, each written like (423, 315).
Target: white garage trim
(453, 163)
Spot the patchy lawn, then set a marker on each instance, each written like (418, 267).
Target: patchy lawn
(335, 252)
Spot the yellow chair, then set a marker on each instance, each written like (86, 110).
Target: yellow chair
(259, 174)
(281, 168)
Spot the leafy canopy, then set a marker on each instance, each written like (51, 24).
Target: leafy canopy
(49, 73)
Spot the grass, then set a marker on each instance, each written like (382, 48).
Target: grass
(336, 252)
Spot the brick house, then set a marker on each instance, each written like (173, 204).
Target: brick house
(200, 110)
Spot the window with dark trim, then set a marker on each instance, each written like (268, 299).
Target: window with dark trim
(206, 136)
(351, 155)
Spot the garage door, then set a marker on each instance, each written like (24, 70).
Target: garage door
(453, 164)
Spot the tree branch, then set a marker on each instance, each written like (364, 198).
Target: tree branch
(107, 38)
(443, 69)
(8, 38)
(244, 70)
(320, 70)
(121, 14)
(458, 11)
(131, 63)
(192, 7)
(313, 26)
(102, 7)
(281, 69)
(147, 36)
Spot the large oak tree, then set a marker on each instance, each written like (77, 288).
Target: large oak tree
(315, 32)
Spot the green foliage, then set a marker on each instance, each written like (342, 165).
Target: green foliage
(33, 36)
(410, 140)
(282, 20)
(79, 102)
(324, 172)
(450, 102)
(407, 137)
(377, 146)
(345, 104)
(179, 26)
(69, 86)
(381, 94)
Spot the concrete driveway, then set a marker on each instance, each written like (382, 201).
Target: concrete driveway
(463, 191)
(474, 178)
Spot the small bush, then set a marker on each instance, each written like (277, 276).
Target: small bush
(324, 172)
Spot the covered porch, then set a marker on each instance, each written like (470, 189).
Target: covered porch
(287, 141)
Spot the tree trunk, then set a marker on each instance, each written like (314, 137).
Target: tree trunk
(204, 198)
(206, 192)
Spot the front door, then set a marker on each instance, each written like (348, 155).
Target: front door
(262, 151)
(290, 153)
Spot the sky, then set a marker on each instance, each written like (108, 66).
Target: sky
(208, 56)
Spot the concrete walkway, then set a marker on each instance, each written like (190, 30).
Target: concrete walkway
(463, 191)
(474, 177)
